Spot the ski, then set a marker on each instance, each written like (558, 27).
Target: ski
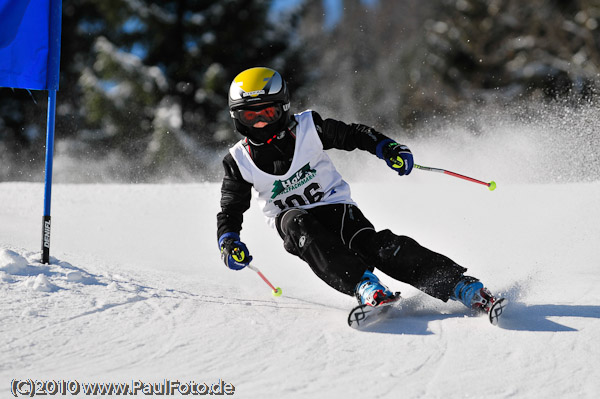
(359, 314)
(496, 310)
(364, 315)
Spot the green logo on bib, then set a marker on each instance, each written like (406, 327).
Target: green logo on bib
(299, 178)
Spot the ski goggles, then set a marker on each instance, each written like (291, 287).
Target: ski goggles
(268, 114)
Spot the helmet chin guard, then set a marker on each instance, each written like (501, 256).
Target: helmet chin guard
(264, 134)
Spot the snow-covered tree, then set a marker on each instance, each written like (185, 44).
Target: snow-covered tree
(158, 87)
(517, 48)
(145, 83)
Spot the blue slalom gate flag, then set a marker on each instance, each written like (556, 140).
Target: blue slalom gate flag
(29, 44)
(30, 59)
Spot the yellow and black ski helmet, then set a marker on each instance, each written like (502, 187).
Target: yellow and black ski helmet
(254, 89)
(257, 85)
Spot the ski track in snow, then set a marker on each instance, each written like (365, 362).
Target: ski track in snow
(136, 290)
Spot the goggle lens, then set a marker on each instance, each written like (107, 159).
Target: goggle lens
(268, 114)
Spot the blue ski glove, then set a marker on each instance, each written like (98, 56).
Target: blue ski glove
(234, 253)
(396, 156)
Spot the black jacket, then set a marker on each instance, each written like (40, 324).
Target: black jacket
(276, 158)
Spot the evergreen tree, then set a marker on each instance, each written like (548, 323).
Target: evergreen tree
(158, 88)
(517, 48)
(412, 62)
(145, 83)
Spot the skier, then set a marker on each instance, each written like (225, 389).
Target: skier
(282, 156)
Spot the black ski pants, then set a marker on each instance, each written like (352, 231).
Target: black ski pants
(339, 244)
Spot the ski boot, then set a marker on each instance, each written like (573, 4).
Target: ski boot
(370, 291)
(471, 292)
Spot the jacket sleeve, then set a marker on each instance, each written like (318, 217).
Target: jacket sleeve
(341, 136)
(235, 199)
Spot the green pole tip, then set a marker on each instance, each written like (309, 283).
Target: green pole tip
(492, 185)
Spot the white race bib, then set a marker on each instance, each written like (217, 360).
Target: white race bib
(312, 179)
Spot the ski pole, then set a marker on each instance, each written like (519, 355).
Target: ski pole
(491, 185)
(276, 291)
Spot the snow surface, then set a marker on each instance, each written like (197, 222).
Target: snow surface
(136, 291)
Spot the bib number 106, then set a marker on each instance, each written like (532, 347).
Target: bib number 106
(311, 195)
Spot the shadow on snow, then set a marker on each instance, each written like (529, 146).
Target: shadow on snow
(518, 317)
